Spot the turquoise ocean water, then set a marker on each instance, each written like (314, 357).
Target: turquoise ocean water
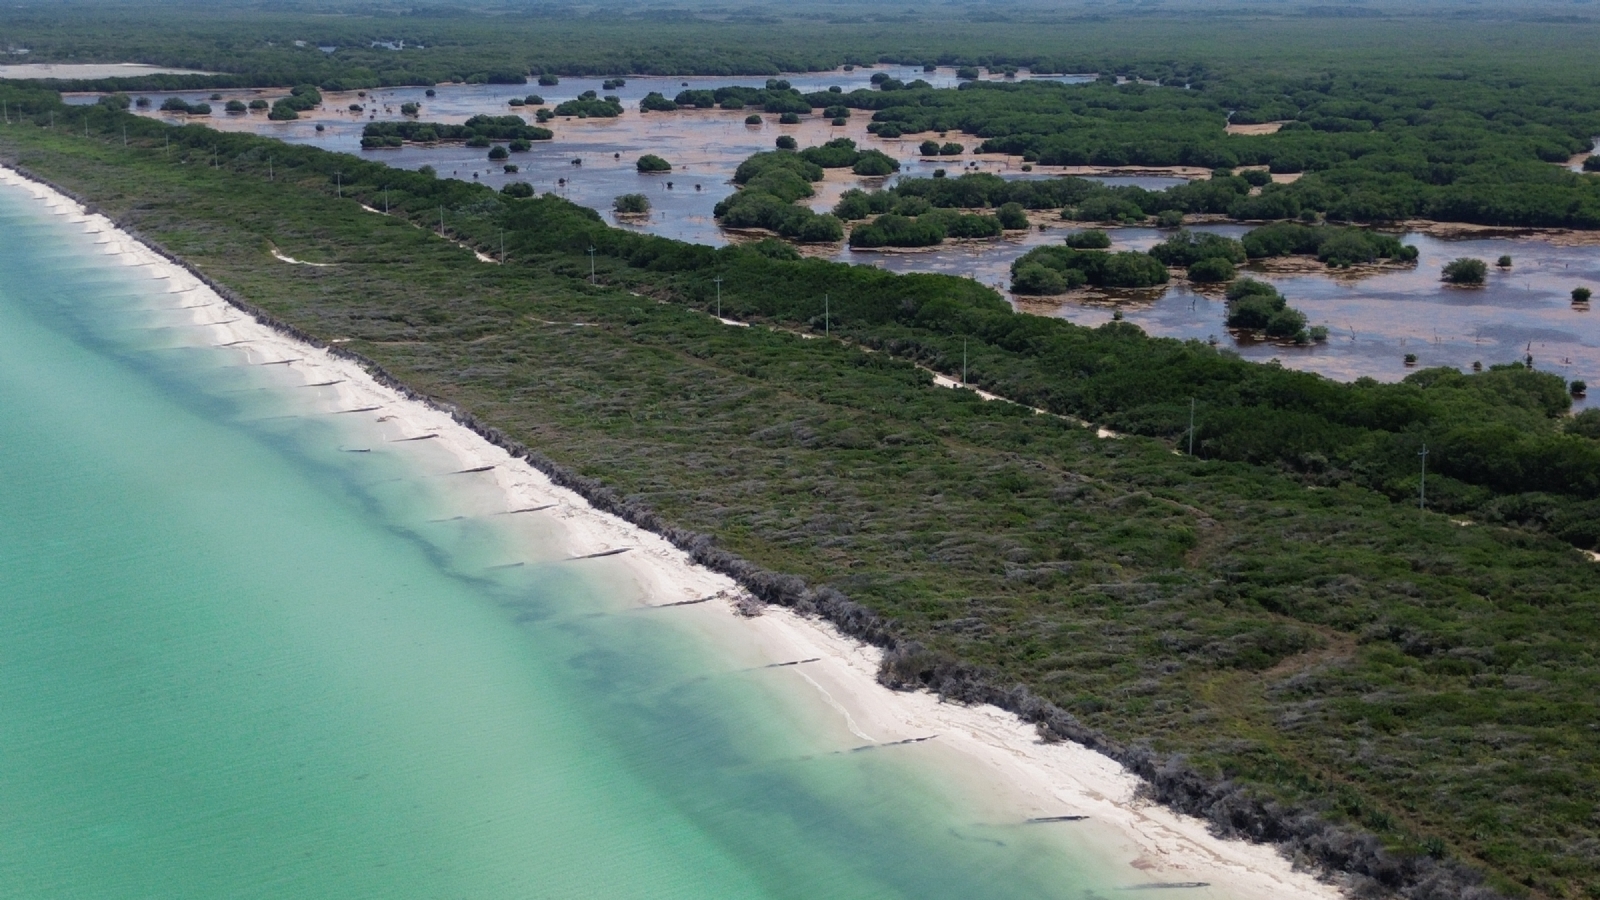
(237, 661)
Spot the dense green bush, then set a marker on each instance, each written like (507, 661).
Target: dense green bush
(178, 104)
(655, 101)
(1186, 248)
(1012, 216)
(1212, 269)
(1127, 269)
(1088, 239)
(875, 163)
(302, 98)
(631, 204)
(1336, 246)
(1257, 306)
(589, 105)
(477, 131)
(1465, 270)
(652, 163)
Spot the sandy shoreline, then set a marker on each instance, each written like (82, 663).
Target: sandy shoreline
(992, 752)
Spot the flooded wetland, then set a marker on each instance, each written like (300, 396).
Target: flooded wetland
(1376, 316)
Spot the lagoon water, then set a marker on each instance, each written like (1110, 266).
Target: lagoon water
(1376, 318)
(239, 661)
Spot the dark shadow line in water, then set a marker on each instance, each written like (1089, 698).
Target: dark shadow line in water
(976, 840)
(425, 437)
(355, 450)
(600, 554)
(515, 565)
(525, 509)
(792, 662)
(359, 409)
(1041, 820)
(448, 519)
(865, 747)
(471, 471)
(695, 602)
(1162, 885)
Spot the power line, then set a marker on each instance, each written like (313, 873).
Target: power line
(1422, 486)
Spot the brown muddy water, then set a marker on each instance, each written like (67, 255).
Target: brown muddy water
(1375, 316)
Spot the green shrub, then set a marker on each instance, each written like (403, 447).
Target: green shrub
(1088, 239)
(1465, 270)
(652, 163)
(1012, 216)
(1035, 279)
(1212, 269)
(631, 204)
(875, 163)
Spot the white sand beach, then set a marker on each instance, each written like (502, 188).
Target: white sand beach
(74, 71)
(991, 751)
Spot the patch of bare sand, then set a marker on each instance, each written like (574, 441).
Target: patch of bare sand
(1258, 128)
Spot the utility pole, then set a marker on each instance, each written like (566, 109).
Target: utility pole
(591, 264)
(827, 320)
(502, 246)
(124, 135)
(718, 281)
(963, 362)
(269, 169)
(338, 184)
(1422, 486)
(386, 201)
(1191, 426)
(441, 221)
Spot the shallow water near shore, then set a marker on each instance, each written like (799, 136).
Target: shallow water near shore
(253, 649)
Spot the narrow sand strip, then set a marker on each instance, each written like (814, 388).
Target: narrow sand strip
(989, 750)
